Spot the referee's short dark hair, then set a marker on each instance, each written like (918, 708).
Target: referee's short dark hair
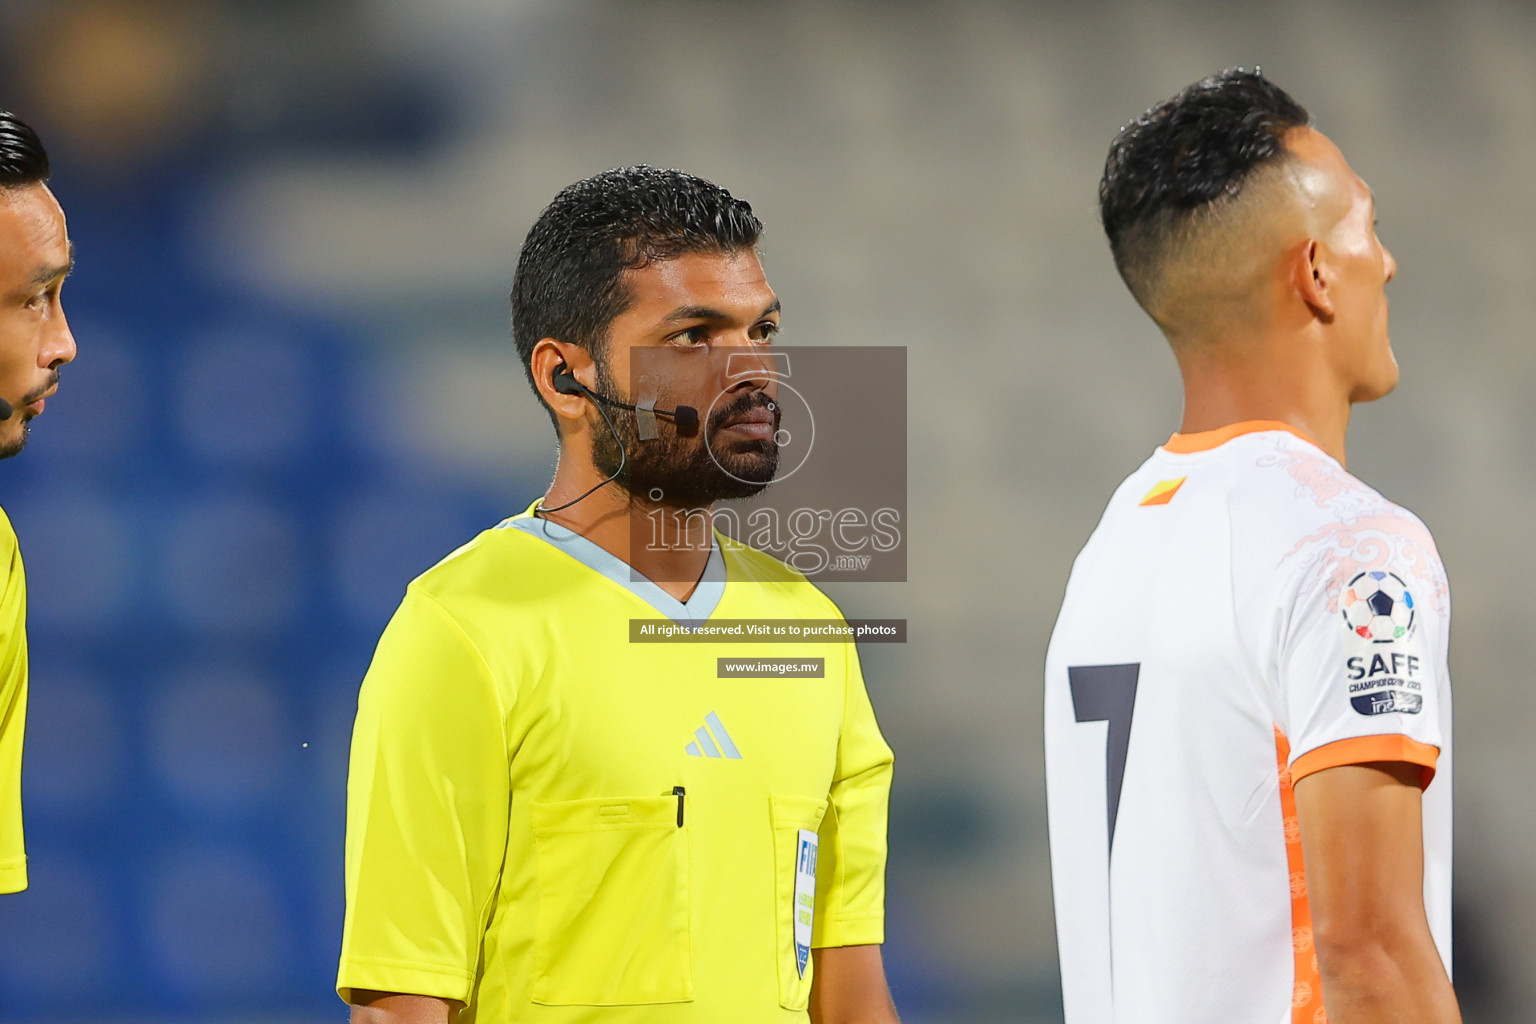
(23, 161)
(570, 284)
(1188, 155)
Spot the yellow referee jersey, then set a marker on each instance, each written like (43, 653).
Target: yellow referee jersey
(13, 708)
(551, 823)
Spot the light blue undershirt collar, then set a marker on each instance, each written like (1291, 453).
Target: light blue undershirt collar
(699, 606)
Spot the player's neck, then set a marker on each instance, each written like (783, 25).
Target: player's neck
(1220, 392)
(646, 539)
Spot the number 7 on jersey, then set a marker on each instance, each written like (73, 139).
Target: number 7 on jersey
(1107, 693)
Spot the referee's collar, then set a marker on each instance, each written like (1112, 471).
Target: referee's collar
(701, 603)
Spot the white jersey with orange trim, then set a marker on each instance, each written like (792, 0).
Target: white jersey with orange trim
(1245, 614)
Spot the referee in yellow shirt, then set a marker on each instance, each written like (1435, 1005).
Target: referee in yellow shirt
(34, 342)
(548, 823)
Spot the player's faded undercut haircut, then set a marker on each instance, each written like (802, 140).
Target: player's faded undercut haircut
(1175, 176)
(23, 161)
(570, 281)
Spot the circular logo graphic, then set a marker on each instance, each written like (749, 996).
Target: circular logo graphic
(1378, 607)
(796, 433)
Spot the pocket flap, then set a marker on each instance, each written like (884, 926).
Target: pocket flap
(603, 813)
(798, 811)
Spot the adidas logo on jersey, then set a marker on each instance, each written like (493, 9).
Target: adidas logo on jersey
(707, 736)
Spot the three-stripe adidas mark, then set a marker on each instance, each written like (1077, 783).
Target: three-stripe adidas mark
(708, 735)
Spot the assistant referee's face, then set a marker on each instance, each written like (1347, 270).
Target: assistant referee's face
(34, 336)
(708, 310)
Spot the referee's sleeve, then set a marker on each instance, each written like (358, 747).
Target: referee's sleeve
(427, 807)
(850, 903)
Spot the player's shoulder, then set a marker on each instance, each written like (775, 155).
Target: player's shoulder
(1282, 497)
(1292, 487)
(1296, 509)
(1282, 483)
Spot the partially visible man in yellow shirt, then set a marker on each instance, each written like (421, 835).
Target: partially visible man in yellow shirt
(34, 342)
(549, 822)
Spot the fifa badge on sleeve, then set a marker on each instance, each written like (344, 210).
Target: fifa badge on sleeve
(805, 895)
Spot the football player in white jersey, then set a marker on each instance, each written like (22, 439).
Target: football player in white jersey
(1248, 710)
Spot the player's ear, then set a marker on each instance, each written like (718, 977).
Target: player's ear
(548, 356)
(1311, 274)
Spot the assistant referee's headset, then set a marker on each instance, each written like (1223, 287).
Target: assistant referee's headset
(564, 381)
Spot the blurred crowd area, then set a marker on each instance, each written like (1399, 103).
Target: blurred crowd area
(296, 223)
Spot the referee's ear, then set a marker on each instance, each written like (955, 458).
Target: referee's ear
(546, 359)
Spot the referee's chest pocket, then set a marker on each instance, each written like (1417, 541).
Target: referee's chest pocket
(613, 920)
(794, 856)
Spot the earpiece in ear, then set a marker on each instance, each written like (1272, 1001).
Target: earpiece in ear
(565, 381)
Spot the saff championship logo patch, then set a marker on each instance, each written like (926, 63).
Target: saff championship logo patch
(1378, 606)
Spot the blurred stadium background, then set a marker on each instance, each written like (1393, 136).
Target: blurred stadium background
(296, 222)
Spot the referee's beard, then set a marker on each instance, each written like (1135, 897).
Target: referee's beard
(684, 470)
(13, 446)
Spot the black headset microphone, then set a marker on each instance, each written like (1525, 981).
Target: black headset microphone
(685, 416)
(7, 410)
(564, 381)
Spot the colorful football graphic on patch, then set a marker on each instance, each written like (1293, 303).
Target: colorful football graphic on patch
(1378, 606)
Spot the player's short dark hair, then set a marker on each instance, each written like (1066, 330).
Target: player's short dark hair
(23, 161)
(1188, 152)
(569, 283)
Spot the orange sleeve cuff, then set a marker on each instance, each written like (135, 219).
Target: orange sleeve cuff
(1365, 749)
